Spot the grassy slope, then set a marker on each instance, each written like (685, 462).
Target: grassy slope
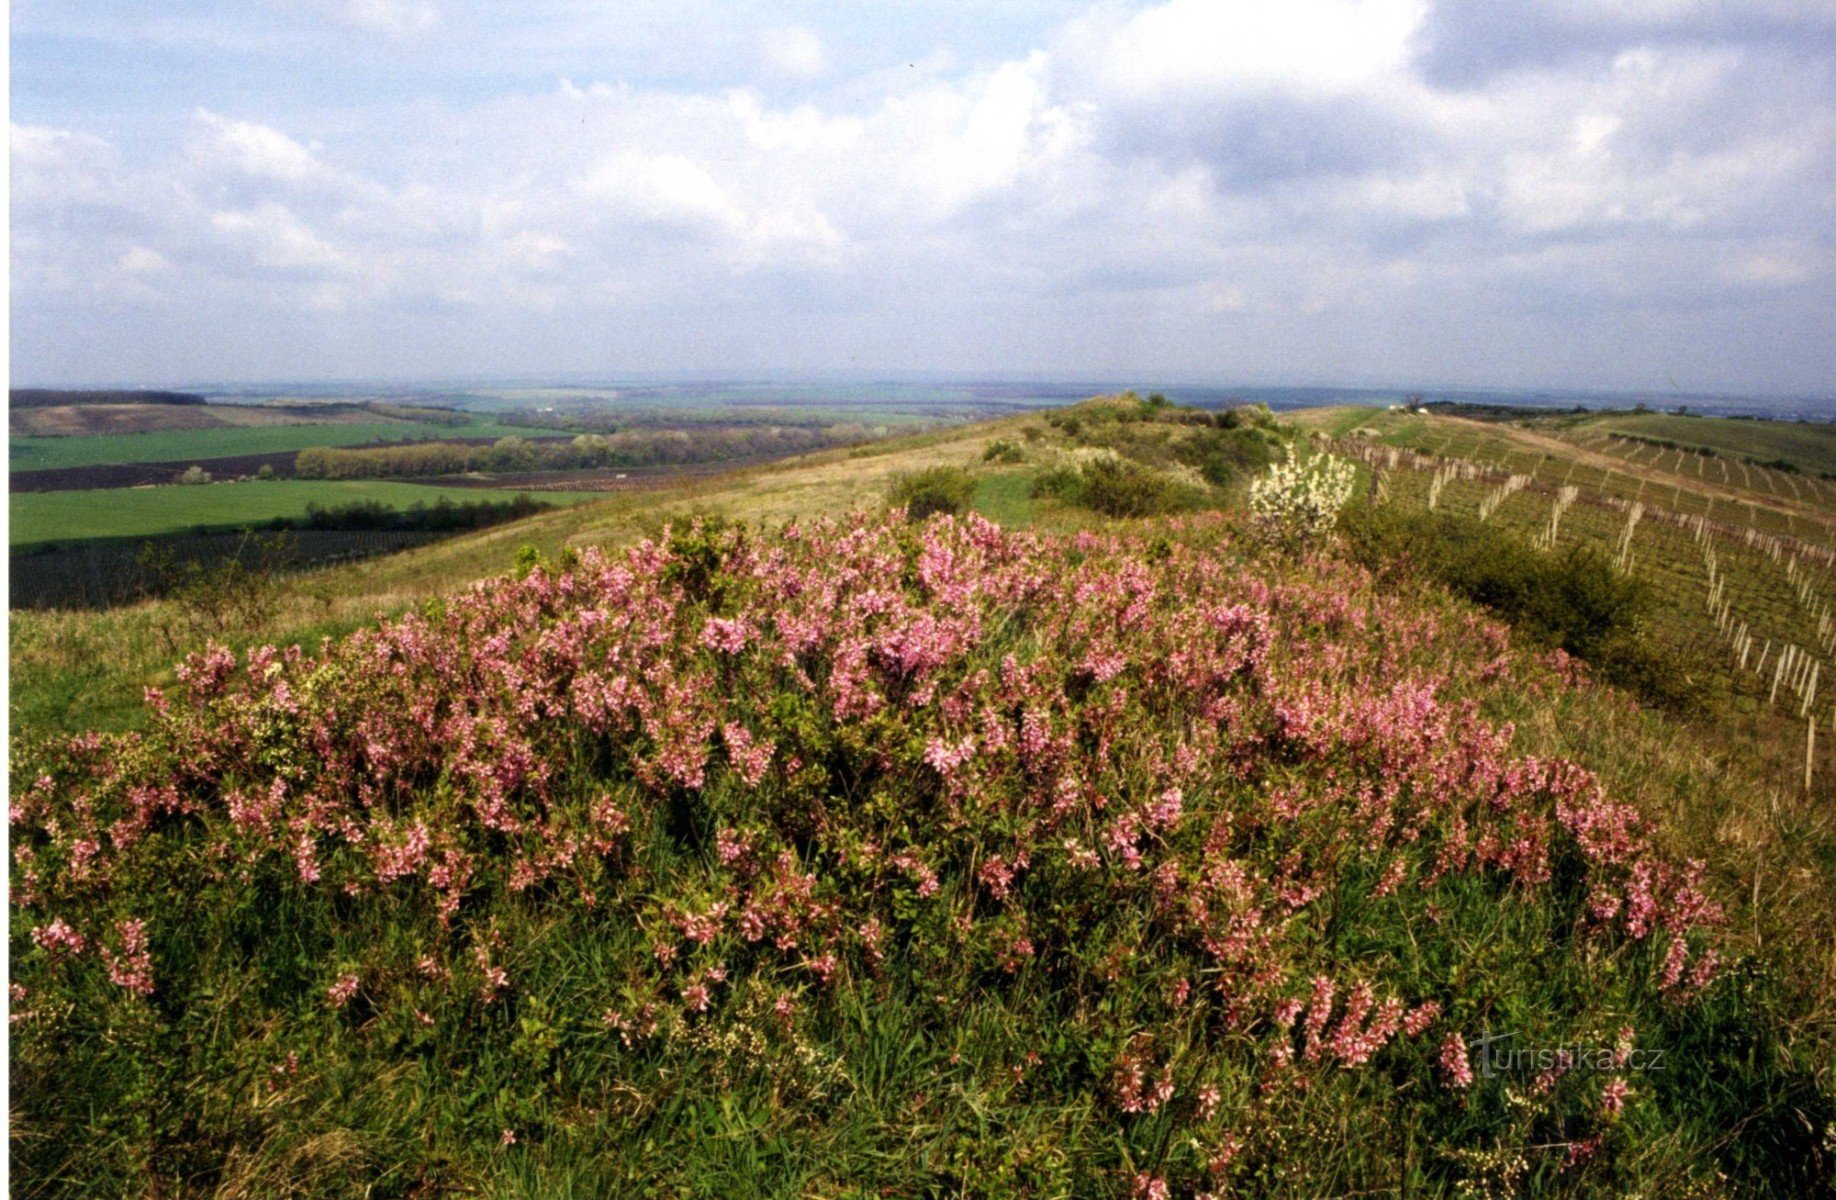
(144, 512)
(1768, 849)
(179, 445)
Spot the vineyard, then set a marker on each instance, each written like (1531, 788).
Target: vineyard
(1739, 556)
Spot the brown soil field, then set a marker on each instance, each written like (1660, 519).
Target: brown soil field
(76, 420)
(125, 475)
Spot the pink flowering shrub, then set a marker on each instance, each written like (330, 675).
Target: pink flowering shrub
(1216, 838)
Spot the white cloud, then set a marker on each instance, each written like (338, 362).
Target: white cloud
(1187, 46)
(142, 260)
(254, 150)
(793, 51)
(394, 18)
(1219, 186)
(272, 236)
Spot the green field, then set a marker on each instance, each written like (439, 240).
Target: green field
(144, 512)
(181, 445)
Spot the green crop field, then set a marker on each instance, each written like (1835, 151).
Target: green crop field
(144, 512)
(178, 445)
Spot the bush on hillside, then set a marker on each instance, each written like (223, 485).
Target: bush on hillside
(1114, 487)
(1572, 599)
(1003, 451)
(1223, 454)
(928, 858)
(1296, 502)
(948, 490)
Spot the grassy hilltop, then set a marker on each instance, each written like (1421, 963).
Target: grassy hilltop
(1077, 838)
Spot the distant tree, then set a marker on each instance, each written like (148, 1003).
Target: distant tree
(194, 474)
(513, 454)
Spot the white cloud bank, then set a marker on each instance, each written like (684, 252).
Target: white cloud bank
(1321, 190)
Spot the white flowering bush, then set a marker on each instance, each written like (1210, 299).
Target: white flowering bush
(1297, 502)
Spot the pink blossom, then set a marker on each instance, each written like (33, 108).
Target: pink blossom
(132, 967)
(343, 991)
(1456, 1072)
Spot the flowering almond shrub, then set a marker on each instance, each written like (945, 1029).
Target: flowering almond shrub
(1297, 501)
(972, 860)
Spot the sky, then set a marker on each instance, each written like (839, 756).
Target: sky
(1598, 194)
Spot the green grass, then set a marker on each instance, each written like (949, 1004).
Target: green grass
(1006, 498)
(177, 445)
(39, 517)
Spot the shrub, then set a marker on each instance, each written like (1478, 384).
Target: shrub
(1239, 416)
(1003, 451)
(1064, 482)
(193, 474)
(1572, 600)
(1297, 502)
(937, 490)
(1221, 454)
(1114, 487)
(1128, 852)
(266, 472)
(233, 594)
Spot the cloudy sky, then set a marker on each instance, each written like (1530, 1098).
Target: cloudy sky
(1588, 193)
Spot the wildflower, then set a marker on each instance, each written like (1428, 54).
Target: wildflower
(132, 968)
(1151, 1187)
(1164, 811)
(1420, 1017)
(59, 939)
(343, 991)
(727, 636)
(997, 875)
(1622, 1046)
(1456, 1072)
(1613, 1096)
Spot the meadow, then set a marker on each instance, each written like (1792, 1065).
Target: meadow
(748, 838)
(39, 517)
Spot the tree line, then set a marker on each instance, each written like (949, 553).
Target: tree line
(631, 448)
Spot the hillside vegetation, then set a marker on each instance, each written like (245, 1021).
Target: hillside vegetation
(812, 853)
(1733, 550)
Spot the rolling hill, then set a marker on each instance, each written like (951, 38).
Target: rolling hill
(740, 837)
